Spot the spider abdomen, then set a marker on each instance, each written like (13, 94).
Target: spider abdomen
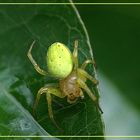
(59, 60)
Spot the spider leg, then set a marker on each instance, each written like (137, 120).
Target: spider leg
(86, 62)
(84, 74)
(75, 54)
(81, 94)
(88, 91)
(40, 92)
(49, 100)
(37, 68)
(49, 89)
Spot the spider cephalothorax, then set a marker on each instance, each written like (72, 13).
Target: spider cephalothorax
(70, 87)
(64, 65)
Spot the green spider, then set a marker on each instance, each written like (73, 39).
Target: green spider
(62, 64)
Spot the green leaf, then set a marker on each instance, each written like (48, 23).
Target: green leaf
(16, 120)
(19, 82)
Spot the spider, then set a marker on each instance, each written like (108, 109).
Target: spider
(62, 64)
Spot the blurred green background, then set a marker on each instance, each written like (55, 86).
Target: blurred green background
(114, 32)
